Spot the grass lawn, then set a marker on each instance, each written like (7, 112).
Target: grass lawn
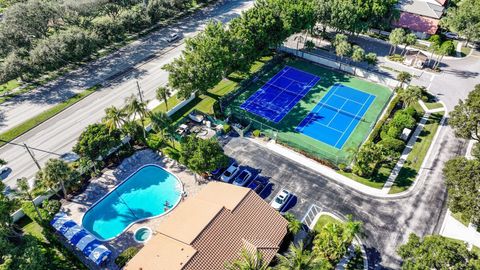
(204, 103)
(466, 51)
(409, 171)
(31, 227)
(458, 216)
(285, 129)
(433, 105)
(44, 116)
(376, 181)
(324, 220)
(8, 86)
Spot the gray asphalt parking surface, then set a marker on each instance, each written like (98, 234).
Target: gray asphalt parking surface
(386, 222)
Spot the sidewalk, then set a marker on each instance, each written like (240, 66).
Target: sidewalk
(406, 152)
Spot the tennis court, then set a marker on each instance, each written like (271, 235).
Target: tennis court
(280, 94)
(336, 115)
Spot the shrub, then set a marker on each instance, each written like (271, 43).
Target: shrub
(29, 210)
(126, 256)
(402, 119)
(379, 126)
(154, 141)
(226, 128)
(396, 58)
(342, 167)
(51, 207)
(392, 144)
(256, 133)
(171, 153)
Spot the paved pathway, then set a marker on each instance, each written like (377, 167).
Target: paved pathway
(406, 152)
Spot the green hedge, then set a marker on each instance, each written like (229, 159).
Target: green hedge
(126, 256)
(378, 127)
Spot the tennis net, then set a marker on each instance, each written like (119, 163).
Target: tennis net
(360, 118)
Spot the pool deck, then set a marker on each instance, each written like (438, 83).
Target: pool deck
(98, 187)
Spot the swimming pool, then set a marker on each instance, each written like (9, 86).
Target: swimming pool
(140, 196)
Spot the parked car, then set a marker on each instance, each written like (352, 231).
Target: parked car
(451, 35)
(242, 178)
(172, 37)
(257, 184)
(3, 169)
(280, 199)
(229, 173)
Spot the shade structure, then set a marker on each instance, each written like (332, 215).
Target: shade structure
(80, 238)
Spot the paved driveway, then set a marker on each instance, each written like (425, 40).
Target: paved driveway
(386, 222)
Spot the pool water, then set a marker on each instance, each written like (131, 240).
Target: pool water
(142, 234)
(141, 196)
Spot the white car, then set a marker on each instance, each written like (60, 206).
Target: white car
(451, 35)
(230, 173)
(280, 199)
(172, 37)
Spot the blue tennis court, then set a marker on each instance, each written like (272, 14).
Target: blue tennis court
(280, 94)
(336, 116)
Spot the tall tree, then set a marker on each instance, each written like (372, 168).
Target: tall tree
(163, 93)
(96, 141)
(161, 123)
(396, 37)
(299, 258)
(409, 40)
(7, 206)
(435, 252)
(446, 48)
(367, 159)
(248, 261)
(202, 156)
(464, 19)
(136, 108)
(294, 225)
(334, 239)
(410, 95)
(358, 54)
(24, 193)
(465, 117)
(371, 58)
(343, 49)
(404, 77)
(57, 174)
(462, 178)
(114, 118)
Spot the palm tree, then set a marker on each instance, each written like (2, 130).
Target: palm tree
(299, 258)
(23, 192)
(162, 124)
(396, 38)
(114, 118)
(409, 40)
(294, 225)
(136, 108)
(248, 261)
(57, 173)
(162, 94)
(404, 77)
(411, 95)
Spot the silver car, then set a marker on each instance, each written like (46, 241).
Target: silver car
(230, 173)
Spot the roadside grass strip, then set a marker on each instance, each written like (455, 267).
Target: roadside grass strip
(27, 125)
(407, 175)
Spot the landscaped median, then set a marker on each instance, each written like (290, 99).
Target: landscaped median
(22, 128)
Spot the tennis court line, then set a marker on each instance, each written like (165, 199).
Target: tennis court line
(315, 110)
(296, 95)
(329, 127)
(265, 91)
(338, 111)
(352, 99)
(354, 119)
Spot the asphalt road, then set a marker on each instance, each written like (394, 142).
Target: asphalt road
(142, 60)
(386, 222)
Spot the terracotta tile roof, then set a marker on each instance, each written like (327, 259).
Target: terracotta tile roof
(234, 218)
(417, 23)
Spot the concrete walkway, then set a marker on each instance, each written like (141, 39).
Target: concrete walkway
(406, 152)
(453, 228)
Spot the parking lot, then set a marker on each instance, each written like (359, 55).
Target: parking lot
(386, 222)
